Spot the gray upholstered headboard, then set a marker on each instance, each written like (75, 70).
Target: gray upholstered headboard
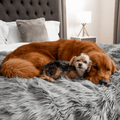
(11, 10)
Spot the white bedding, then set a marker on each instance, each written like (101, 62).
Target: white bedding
(10, 47)
(10, 38)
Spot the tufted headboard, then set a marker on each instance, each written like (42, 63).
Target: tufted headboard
(11, 10)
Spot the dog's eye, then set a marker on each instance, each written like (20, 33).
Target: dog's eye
(95, 67)
(78, 60)
(85, 62)
(108, 69)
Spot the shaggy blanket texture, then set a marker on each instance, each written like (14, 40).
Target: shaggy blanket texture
(37, 99)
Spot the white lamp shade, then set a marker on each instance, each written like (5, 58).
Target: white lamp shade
(84, 17)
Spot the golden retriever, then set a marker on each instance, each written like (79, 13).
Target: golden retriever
(28, 60)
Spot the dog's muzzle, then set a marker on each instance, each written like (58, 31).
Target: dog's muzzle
(103, 82)
(80, 65)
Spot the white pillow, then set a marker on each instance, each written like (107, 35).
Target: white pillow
(13, 36)
(3, 32)
(53, 28)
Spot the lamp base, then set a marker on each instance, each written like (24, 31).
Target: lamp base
(84, 30)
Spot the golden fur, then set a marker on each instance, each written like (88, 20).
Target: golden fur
(103, 66)
(19, 68)
(30, 58)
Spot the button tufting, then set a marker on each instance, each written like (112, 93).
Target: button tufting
(36, 13)
(31, 3)
(27, 12)
(51, 12)
(48, 3)
(22, 2)
(25, 9)
(39, 3)
(7, 12)
(1, 1)
(11, 1)
(43, 13)
(17, 12)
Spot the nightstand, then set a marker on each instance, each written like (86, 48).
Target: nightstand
(91, 38)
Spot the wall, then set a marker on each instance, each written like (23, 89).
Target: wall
(106, 21)
(102, 18)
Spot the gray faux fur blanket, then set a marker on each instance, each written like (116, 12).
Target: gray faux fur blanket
(37, 99)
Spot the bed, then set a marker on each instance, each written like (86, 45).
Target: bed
(37, 99)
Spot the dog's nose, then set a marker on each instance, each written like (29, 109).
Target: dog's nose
(80, 64)
(103, 82)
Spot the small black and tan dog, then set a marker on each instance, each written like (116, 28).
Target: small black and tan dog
(76, 68)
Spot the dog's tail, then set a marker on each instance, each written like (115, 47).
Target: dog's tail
(18, 67)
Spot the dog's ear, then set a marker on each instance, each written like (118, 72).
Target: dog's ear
(72, 60)
(89, 66)
(114, 68)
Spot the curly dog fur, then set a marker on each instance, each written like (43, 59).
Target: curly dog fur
(76, 68)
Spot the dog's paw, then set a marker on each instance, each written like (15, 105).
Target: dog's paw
(51, 80)
(48, 79)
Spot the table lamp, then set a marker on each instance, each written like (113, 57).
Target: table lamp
(83, 18)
